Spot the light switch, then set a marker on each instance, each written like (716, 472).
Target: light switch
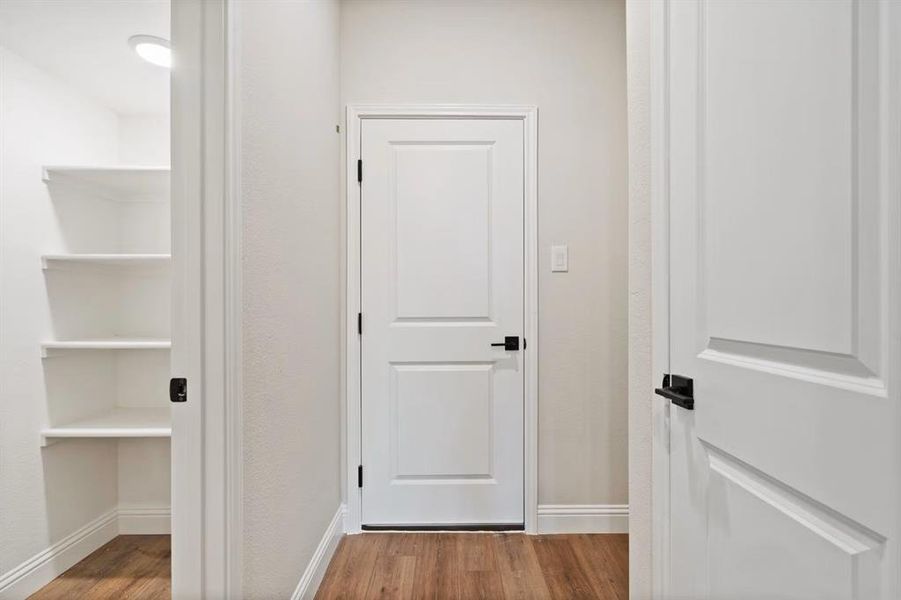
(559, 258)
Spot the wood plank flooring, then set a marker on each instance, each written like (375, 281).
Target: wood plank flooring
(478, 565)
(458, 566)
(129, 566)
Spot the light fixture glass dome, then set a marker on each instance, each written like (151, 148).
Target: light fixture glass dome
(153, 49)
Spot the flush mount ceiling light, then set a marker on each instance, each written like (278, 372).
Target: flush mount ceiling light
(153, 49)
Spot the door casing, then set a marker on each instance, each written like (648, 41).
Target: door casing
(206, 239)
(660, 310)
(351, 419)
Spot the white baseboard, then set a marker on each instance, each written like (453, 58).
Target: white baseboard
(45, 566)
(315, 571)
(144, 521)
(583, 518)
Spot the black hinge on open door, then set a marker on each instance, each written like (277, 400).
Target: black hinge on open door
(679, 389)
(360, 476)
(360, 170)
(359, 323)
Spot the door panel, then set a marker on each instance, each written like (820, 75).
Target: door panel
(767, 540)
(435, 407)
(442, 279)
(784, 479)
(777, 276)
(443, 238)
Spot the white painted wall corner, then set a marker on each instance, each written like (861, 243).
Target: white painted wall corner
(318, 565)
(583, 518)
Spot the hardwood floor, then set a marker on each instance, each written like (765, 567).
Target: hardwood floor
(478, 565)
(458, 566)
(129, 566)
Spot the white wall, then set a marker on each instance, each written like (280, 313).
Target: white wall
(569, 59)
(288, 73)
(48, 493)
(144, 140)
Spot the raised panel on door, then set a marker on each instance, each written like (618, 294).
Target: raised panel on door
(779, 198)
(441, 280)
(768, 541)
(442, 209)
(434, 407)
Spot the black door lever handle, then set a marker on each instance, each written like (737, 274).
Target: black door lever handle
(510, 343)
(679, 389)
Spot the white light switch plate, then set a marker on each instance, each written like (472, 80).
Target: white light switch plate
(559, 258)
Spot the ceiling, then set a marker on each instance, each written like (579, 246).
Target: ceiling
(85, 43)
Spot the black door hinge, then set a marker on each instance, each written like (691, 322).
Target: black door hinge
(360, 476)
(359, 323)
(178, 389)
(360, 170)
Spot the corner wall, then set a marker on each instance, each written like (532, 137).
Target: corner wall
(288, 85)
(45, 493)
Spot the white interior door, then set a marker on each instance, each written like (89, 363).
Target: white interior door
(441, 281)
(784, 271)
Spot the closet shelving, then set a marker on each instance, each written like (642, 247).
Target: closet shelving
(62, 261)
(120, 422)
(125, 186)
(112, 343)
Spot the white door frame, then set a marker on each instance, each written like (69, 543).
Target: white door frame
(206, 236)
(649, 297)
(352, 413)
(660, 299)
(655, 103)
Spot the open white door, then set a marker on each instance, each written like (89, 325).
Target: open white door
(784, 155)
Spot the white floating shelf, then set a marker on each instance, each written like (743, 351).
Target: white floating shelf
(126, 184)
(57, 261)
(116, 423)
(107, 344)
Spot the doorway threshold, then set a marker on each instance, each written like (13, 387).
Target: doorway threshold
(445, 527)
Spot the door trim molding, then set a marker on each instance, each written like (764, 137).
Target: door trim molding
(206, 236)
(659, 159)
(648, 84)
(351, 429)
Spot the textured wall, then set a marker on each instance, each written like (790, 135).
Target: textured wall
(640, 373)
(288, 62)
(569, 59)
